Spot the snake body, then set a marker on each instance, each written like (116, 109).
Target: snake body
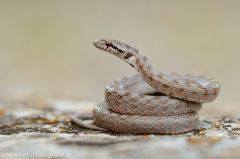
(156, 103)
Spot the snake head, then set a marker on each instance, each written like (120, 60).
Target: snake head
(115, 47)
(124, 51)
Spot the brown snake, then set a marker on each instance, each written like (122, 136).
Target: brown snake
(156, 103)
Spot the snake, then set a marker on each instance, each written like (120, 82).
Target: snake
(150, 102)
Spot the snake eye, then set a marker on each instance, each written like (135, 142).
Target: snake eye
(109, 43)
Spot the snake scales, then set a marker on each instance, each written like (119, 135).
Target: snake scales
(157, 103)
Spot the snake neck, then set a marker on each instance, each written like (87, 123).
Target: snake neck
(144, 68)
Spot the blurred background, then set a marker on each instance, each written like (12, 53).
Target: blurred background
(46, 47)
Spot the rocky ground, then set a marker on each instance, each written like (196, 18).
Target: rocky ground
(41, 128)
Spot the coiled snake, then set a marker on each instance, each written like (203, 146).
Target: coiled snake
(150, 103)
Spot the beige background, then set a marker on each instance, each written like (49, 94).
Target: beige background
(46, 46)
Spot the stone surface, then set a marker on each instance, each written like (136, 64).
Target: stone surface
(32, 128)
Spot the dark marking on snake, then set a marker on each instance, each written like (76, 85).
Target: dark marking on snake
(128, 56)
(109, 44)
(181, 89)
(114, 47)
(166, 86)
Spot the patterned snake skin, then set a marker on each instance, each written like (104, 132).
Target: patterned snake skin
(134, 105)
